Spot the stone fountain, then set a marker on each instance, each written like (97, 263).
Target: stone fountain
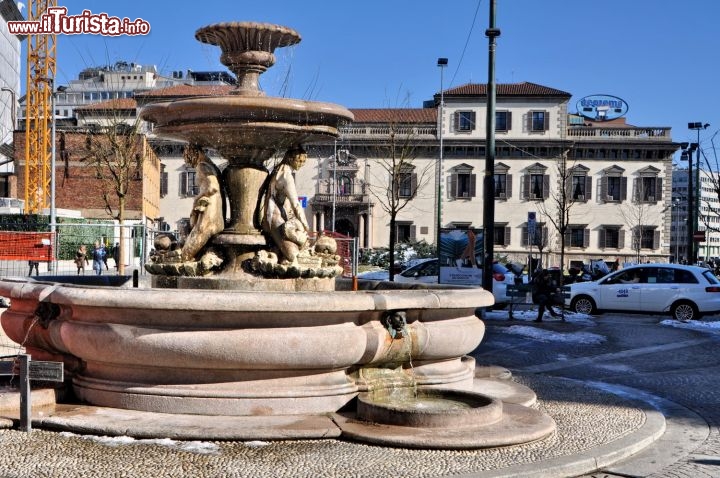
(247, 318)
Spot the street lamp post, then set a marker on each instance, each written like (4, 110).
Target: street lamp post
(686, 155)
(676, 204)
(441, 63)
(694, 188)
(489, 185)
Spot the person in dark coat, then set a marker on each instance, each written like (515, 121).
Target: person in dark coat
(544, 294)
(116, 255)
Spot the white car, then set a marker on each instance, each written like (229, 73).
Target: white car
(426, 272)
(685, 292)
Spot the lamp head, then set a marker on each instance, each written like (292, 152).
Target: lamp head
(698, 125)
(684, 145)
(442, 62)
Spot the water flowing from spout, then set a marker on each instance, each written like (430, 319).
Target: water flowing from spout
(21, 347)
(413, 379)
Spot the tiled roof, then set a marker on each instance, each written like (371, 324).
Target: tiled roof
(117, 104)
(399, 115)
(506, 89)
(186, 90)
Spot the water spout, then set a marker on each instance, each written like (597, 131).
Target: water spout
(395, 321)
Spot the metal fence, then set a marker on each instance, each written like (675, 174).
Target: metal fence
(38, 252)
(33, 251)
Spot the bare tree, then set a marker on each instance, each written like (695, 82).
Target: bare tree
(117, 151)
(395, 156)
(638, 213)
(559, 202)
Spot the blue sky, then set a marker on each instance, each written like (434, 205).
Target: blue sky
(660, 56)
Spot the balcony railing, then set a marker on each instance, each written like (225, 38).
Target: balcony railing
(580, 132)
(403, 131)
(650, 134)
(342, 198)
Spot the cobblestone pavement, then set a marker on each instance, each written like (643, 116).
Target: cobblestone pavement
(679, 365)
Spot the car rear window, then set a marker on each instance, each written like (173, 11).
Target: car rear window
(710, 277)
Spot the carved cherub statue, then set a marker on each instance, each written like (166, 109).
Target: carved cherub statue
(207, 218)
(282, 216)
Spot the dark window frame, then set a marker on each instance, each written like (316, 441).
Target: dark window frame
(465, 121)
(503, 121)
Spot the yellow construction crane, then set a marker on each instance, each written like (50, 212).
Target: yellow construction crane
(40, 76)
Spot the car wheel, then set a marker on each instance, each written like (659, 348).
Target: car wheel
(684, 311)
(583, 304)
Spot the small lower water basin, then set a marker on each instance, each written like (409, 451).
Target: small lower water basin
(428, 408)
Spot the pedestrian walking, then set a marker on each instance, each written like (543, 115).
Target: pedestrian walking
(116, 255)
(34, 265)
(545, 294)
(98, 256)
(81, 259)
(105, 258)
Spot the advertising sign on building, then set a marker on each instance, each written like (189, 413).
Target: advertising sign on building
(602, 107)
(460, 255)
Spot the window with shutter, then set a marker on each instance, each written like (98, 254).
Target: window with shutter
(536, 186)
(648, 238)
(614, 188)
(501, 234)
(609, 238)
(577, 188)
(405, 189)
(577, 236)
(503, 121)
(464, 121)
(500, 183)
(538, 121)
(462, 183)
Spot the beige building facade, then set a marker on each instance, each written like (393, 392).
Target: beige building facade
(617, 177)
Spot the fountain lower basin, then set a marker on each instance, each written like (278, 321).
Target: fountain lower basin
(242, 353)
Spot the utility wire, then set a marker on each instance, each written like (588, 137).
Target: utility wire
(467, 41)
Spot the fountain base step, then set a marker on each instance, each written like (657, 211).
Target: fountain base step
(137, 424)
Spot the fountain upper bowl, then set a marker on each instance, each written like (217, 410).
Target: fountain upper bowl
(207, 119)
